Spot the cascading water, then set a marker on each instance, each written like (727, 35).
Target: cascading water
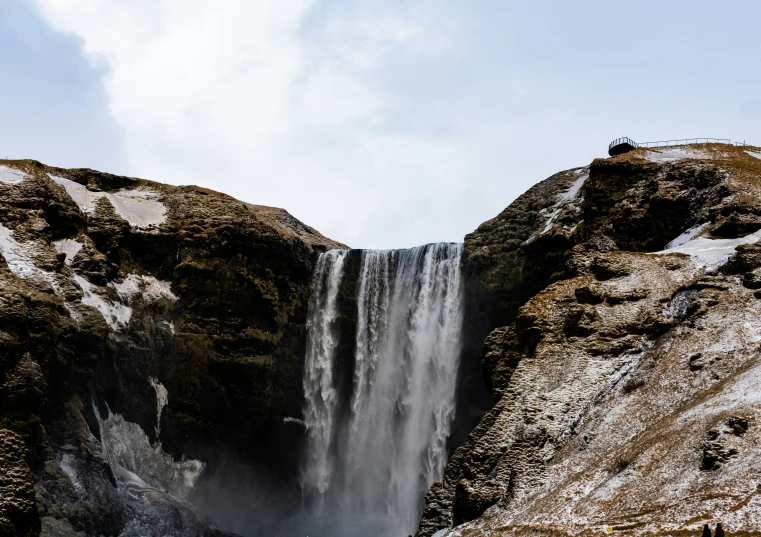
(375, 447)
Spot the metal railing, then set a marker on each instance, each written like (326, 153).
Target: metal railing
(672, 143)
(622, 140)
(685, 141)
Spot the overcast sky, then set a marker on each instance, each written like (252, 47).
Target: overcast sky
(382, 123)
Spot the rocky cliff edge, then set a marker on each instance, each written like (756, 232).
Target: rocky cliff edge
(146, 332)
(626, 370)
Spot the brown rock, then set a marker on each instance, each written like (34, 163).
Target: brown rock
(623, 389)
(18, 511)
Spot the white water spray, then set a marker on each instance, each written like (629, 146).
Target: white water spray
(374, 451)
(319, 391)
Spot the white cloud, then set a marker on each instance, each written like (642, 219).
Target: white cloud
(278, 102)
(386, 123)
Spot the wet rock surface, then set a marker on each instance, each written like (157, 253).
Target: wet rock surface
(147, 333)
(626, 377)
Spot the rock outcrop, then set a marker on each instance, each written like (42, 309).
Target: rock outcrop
(626, 365)
(146, 332)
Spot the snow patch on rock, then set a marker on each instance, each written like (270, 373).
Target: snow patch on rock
(675, 154)
(116, 315)
(712, 253)
(687, 235)
(754, 154)
(565, 197)
(20, 260)
(18, 256)
(138, 207)
(11, 176)
(144, 467)
(81, 196)
(69, 247)
(151, 289)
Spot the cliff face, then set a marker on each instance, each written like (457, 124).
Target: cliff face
(150, 334)
(626, 373)
(146, 332)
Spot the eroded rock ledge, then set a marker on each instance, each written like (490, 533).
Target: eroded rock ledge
(625, 369)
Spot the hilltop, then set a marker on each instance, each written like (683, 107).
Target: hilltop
(627, 369)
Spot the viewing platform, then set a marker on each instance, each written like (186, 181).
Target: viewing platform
(623, 145)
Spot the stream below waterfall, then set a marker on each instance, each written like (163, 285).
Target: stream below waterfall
(383, 350)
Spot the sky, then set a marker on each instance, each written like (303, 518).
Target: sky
(383, 124)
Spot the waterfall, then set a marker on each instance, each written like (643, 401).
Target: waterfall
(377, 442)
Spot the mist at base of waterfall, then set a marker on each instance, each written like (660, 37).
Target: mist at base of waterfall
(251, 502)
